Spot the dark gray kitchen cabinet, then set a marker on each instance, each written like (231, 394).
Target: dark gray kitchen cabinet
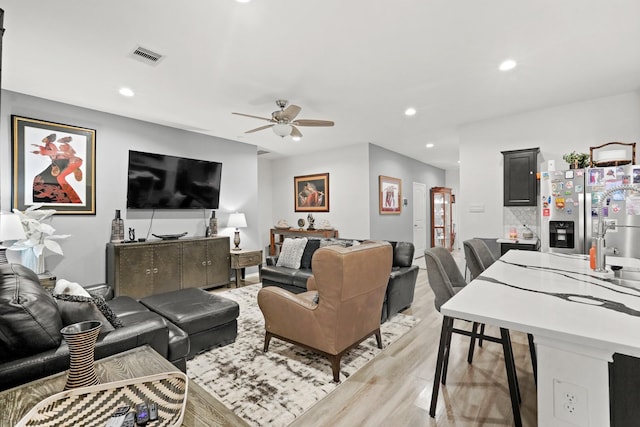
(520, 177)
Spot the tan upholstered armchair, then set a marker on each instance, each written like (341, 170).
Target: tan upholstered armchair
(342, 311)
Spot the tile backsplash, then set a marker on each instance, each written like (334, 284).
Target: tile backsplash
(517, 216)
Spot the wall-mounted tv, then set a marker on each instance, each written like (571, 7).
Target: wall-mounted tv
(158, 181)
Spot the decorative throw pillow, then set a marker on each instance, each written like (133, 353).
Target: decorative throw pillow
(291, 252)
(307, 255)
(75, 308)
(335, 242)
(63, 286)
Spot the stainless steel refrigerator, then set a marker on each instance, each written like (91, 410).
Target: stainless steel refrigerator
(568, 210)
(622, 207)
(562, 211)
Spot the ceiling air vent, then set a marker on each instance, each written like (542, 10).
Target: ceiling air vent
(147, 56)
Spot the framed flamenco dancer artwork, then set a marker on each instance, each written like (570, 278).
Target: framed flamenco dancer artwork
(53, 164)
(311, 193)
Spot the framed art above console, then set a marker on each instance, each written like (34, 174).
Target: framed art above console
(311, 193)
(53, 164)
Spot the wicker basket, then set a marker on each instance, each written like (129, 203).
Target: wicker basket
(94, 405)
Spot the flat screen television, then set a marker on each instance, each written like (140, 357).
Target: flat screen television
(158, 181)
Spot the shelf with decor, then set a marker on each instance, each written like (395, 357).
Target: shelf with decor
(441, 223)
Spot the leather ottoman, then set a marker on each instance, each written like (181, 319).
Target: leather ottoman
(210, 320)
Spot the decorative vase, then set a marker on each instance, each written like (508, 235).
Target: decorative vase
(213, 224)
(35, 263)
(81, 338)
(117, 228)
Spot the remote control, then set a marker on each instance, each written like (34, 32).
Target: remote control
(117, 417)
(153, 411)
(129, 420)
(142, 414)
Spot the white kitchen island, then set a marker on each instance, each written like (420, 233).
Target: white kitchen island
(579, 319)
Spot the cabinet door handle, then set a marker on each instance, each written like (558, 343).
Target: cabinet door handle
(204, 263)
(148, 271)
(155, 270)
(208, 262)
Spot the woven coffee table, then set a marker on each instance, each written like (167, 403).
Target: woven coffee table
(202, 409)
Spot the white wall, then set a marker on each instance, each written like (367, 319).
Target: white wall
(84, 258)
(556, 131)
(348, 188)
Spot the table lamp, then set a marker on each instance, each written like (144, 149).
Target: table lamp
(10, 229)
(237, 220)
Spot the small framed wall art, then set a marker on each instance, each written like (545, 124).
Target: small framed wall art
(311, 193)
(390, 195)
(53, 164)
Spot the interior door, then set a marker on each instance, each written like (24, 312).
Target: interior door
(419, 218)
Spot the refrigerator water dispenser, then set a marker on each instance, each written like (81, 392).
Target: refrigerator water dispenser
(561, 234)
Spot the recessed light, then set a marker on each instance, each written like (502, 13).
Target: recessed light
(429, 145)
(243, 1)
(296, 138)
(410, 111)
(125, 91)
(458, 161)
(508, 64)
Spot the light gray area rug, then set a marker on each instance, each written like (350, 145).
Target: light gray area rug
(273, 388)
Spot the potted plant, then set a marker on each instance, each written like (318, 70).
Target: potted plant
(39, 237)
(576, 160)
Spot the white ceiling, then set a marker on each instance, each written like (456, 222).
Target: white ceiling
(359, 63)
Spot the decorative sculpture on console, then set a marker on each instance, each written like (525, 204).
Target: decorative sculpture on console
(311, 220)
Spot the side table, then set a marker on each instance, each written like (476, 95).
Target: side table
(246, 258)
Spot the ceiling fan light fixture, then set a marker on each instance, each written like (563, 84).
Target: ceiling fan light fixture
(281, 129)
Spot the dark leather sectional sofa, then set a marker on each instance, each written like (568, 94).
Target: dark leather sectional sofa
(31, 345)
(400, 289)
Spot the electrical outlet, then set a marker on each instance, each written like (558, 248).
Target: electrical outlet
(570, 403)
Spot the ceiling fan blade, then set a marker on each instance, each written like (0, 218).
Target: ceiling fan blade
(295, 133)
(255, 117)
(260, 128)
(308, 122)
(291, 112)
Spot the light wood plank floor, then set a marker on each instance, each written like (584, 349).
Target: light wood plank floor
(395, 388)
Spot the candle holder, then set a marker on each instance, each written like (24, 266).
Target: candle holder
(81, 338)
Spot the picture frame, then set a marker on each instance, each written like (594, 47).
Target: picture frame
(53, 165)
(311, 193)
(390, 195)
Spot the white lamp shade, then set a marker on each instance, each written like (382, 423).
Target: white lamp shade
(11, 227)
(281, 129)
(237, 220)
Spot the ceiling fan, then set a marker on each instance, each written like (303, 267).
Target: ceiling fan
(284, 122)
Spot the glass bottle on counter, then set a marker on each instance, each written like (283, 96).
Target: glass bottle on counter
(117, 228)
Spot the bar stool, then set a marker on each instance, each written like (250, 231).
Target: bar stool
(446, 280)
(479, 257)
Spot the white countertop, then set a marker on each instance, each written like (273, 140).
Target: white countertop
(553, 295)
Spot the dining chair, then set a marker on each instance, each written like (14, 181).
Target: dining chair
(479, 257)
(446, 280)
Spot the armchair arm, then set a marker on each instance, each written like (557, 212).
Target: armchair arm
(311, 284)
(278, 296)
(288, 314)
